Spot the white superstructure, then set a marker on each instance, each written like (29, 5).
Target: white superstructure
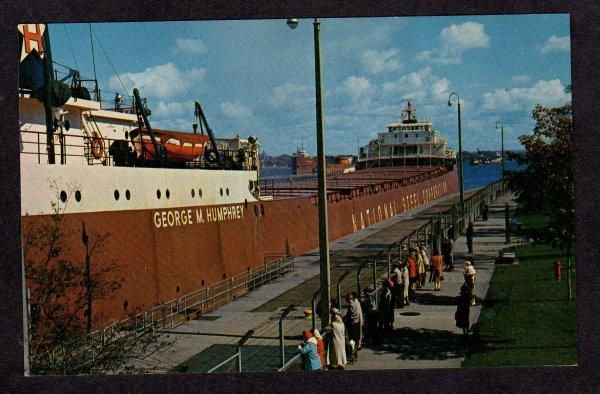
(407, 142)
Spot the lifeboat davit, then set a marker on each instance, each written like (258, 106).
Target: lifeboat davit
(181, 146)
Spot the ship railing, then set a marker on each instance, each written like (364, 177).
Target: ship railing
(68, 145)
(429, 234)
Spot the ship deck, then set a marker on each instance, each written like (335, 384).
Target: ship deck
(351, 184)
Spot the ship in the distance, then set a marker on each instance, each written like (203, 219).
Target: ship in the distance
(185, 209)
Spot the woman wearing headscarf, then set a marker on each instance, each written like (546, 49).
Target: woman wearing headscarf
(309, 353)
(469, 274)
(337, 351)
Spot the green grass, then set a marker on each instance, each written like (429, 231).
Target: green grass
(527, 318)
(534, 221)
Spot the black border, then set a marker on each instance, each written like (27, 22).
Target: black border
(585, 19)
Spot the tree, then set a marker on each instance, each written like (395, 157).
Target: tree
(62, 292)
(546, 184)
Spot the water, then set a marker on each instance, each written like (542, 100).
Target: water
(474, 176)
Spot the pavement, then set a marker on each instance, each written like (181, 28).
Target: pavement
(203, 343)
(425, 334)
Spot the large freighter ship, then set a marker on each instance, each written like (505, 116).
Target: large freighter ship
(182, 210)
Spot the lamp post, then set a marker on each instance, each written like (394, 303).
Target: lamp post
(325, 271)
(460, 155)
(502, 134)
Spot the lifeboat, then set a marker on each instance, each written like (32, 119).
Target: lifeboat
(180, 146)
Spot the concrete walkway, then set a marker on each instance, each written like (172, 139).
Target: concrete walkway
(258, 310)
(425, 334)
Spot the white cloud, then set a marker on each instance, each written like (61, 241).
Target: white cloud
(163, 80)
(556, 44)
(236, 110)
(521, 78)
(189, 45)
(440, 89)
(171, 109)
(420, 85)
(454, 40)
(358, 87)
(294, 95)
(377, 62)
(546, 93)
(463, 37)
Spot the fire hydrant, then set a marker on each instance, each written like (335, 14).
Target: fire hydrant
(558, 271)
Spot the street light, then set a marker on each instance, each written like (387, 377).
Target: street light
(325, 271)
(460, 155)
(502, 133)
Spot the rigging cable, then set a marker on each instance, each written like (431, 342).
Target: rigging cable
(71, 47)
(112, 65)
(94, 61)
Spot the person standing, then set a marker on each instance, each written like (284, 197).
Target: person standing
(447, 252)
(469, 235)
(385, 307)
(309, 353)
(405, 284)
(469, 274)
(485, 211)
(397, 289)
(354, 319)
(425, 258)
(437, 266)
(412, 269)
(420, 269)
(462, 310)
(320, 348)
(337, 349)
(370, 311)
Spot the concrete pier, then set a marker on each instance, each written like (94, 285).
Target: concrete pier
(425, 335)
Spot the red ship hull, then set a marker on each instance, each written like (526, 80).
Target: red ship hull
(161, 258)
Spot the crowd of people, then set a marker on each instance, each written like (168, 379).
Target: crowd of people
(374, 313)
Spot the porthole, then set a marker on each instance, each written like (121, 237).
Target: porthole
(224, 276)
(202, 283)
(193, 193)
(168, 193)
(158, 193)
(117, 195)
(221, 191)
(127, 194)
(227, 191)
(199, 192)
(125, 304)
(63, 196)
(78, 196)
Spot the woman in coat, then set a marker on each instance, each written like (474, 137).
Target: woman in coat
(320, 348)
(337, 350)
(405, 284)
(309, 353)
(462, 310)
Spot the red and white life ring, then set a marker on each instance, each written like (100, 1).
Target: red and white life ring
(97, 146)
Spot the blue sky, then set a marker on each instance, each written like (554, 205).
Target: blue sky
(257, 77)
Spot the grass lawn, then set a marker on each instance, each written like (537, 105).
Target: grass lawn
(526, 318)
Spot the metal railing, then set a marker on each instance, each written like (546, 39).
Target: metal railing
(237, 356)
(178, 311)
(429, 234)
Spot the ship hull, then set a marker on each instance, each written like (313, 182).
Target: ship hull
(164, 253)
